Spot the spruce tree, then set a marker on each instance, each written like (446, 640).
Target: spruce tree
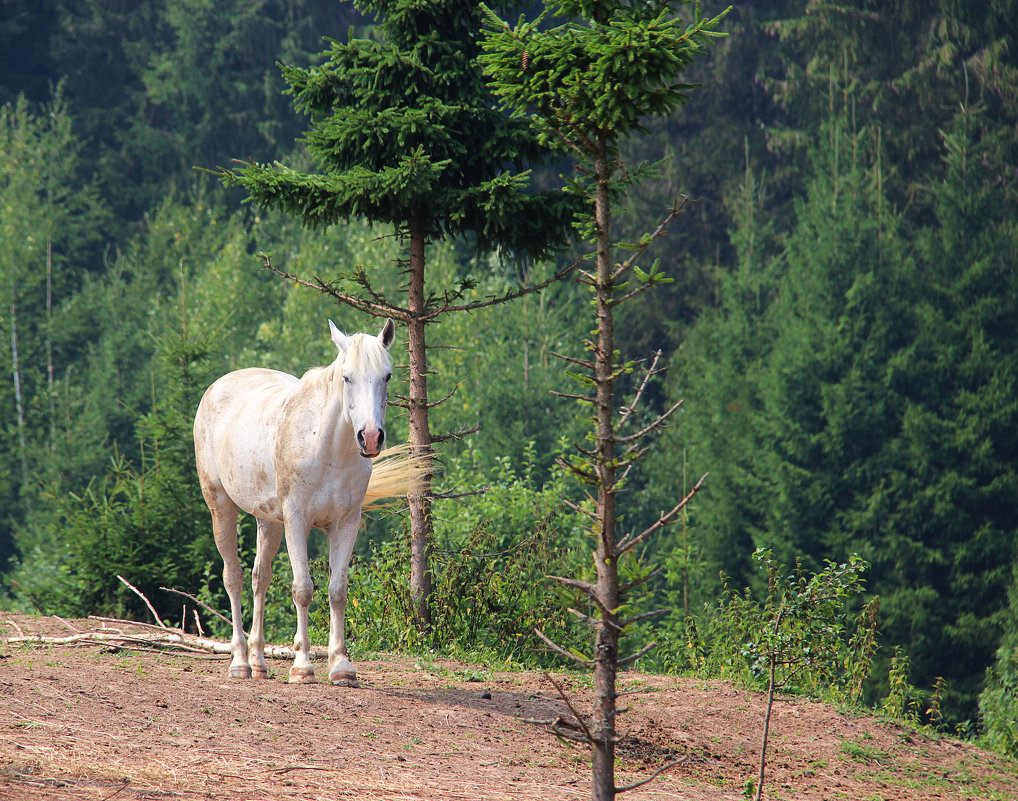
(404, 132)
(589, 72)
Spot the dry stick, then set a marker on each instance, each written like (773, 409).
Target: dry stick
(568, 703)
(202, 604)
(140, 595)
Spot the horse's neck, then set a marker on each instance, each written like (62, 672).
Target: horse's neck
(322, 389)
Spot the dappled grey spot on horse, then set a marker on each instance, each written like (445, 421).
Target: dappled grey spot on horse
(297, 454)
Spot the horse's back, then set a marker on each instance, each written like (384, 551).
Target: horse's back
(234, 435)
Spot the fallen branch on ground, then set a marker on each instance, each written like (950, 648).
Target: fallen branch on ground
(132, 635)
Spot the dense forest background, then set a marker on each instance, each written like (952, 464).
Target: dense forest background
(841, 321)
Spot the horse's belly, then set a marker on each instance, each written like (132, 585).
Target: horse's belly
(244, 407)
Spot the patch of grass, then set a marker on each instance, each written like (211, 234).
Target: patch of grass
(861, 752)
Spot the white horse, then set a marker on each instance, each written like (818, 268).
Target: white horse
(296, 454)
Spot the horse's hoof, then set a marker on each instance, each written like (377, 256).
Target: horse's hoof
(302, 675)
(344, 679)
(239, 672)
(259, 673)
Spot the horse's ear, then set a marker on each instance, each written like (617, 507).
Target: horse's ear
(387, 334)
(341, 339)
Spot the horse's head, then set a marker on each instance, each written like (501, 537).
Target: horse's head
(365, 368)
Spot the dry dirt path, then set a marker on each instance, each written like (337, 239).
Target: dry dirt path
(88, 723)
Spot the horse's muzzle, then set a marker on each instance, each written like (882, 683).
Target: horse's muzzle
(370, 441)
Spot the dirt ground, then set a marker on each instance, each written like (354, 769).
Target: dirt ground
(90, 722)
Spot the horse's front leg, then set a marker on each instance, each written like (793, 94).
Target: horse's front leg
(297, 529)
(342, 537)
(269, 537)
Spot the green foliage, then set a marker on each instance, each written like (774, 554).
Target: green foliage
(800, 641)
(863, 389)
(998, 702)
(492, 554)
(140, 522)
(402, 128)
(803, 628)
(902, 701)
(46, 214)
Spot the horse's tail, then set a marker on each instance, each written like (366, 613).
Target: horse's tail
(396, 474)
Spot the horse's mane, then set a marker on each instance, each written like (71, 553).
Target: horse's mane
(359, 357)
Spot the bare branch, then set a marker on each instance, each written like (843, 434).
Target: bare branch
(433, 404)
(452, 496)
(202, 604)
(378, 309)
(146, 600)
(584, 398)
(629, 541)
(628, 660)
(657, 422)
(568, 703)
(584, 364)
(507, 297)
(458, 434)
(653, 776)
(626, 411)
(562, 651)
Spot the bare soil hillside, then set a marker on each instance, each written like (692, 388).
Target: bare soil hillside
(90, 722)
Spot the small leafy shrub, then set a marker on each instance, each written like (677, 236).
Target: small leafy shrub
(804, 625)
(903, 700)
(800, 641)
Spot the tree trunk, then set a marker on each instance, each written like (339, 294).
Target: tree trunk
(606, 649)
(766, 733)
(18, 402)
(50, 383)
(420, 433)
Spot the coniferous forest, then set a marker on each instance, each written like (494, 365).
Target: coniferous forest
(837, 306)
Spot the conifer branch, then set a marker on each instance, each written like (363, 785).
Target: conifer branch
(579, 509)
(644, 616)
(629, 541)
(375, 309)
(632, 585)
(652, 426)
(628, 660)
(580, 362)
(648, 239)
(493, 300)
(586, 587)
(562, 651)
(568, 703)
(457, 435)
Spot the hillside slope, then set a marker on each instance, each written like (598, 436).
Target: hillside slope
(93, 723)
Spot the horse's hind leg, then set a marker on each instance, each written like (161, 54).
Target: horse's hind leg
(269, 537)
(224, 525)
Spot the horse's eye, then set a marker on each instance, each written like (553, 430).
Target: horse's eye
(346, 378)
(387, 377)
